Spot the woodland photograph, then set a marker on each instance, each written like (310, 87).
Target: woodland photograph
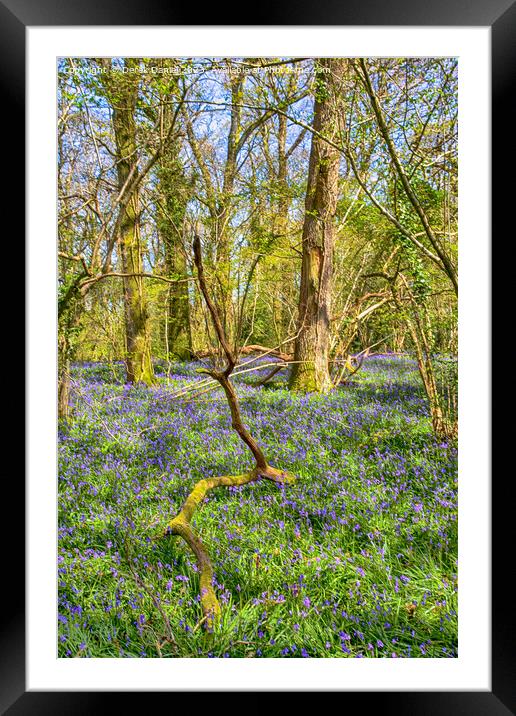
(257, 382)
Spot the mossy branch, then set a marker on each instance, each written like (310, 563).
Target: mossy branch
(180, 525)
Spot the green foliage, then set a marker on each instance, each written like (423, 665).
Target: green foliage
(412, 256)
(321, 85)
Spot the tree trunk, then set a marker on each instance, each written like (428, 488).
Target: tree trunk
(137, 323)
(287, 284)
(174, 192)
(63, 375)
(224, 207)
(179, 335)
(310, 370)
(69, 311)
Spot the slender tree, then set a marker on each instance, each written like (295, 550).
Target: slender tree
(180, 524)
(220, 201)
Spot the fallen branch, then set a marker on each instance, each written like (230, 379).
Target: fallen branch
(246, 350)
(270, 375)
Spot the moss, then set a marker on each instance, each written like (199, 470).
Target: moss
(306, 379)
(180, 526)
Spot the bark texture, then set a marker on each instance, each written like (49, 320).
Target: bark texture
(123, 93)
(310, 371)
(175, 192)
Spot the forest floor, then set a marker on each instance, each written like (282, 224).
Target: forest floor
(357, 558)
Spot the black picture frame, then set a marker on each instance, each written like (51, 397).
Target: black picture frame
(500, 15)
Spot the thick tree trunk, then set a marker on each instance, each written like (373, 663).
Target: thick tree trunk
(179, 335)
(175, 193)
(310, 371)
(124, 93)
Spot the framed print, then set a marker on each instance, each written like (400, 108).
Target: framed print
(41, 45)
